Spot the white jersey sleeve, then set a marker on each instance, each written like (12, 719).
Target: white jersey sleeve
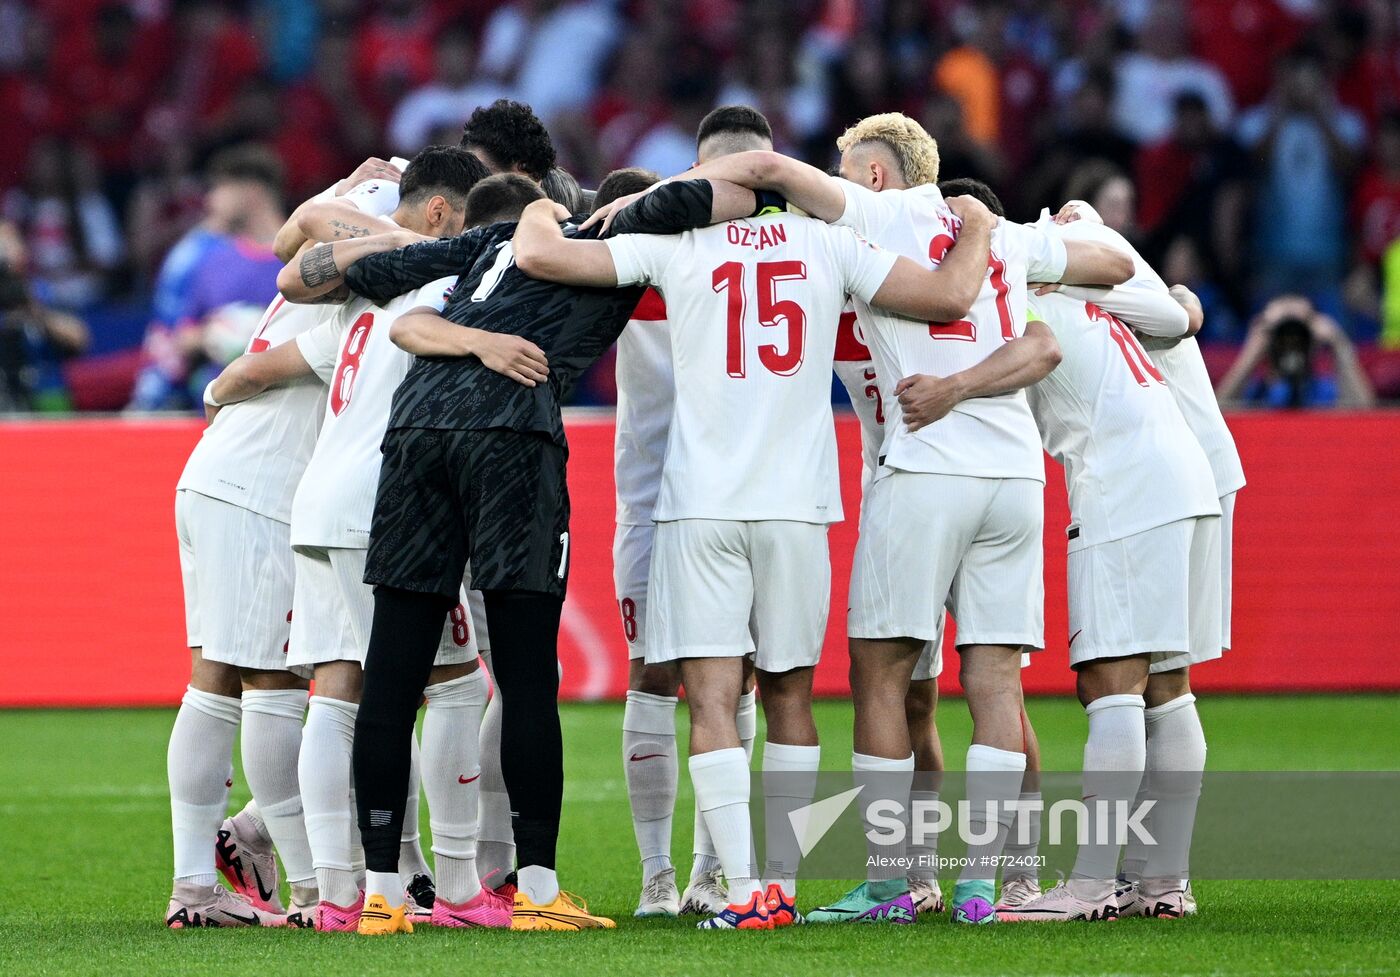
(641, 259)
(1044, 253)
(378, 198)
(1143, 301)
(867, 212)
(864, 266)
(320, 346)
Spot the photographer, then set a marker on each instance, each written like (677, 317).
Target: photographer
(1285, 338)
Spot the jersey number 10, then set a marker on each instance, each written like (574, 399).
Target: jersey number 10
(729, 277)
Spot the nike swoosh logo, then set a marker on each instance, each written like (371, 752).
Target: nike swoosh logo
(1075, 635)
(466, 780)
(250, 920)
(257, 877)
(649, 756)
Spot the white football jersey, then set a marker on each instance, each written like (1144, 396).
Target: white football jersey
(987, 437)
(1178, 359)
(352, 352)
(754, 306)
(856, 371)
(254, 453)
(1106, 415)
(645, 387)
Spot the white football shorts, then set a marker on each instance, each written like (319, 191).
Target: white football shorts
(724, 589)
(333, 611)
(236, 567)
(1156, 592)
(973, 544)
(631, 568)
(1227, 566)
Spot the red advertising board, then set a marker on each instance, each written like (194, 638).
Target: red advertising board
(90, 593)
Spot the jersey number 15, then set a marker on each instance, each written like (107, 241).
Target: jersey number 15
(772, 311)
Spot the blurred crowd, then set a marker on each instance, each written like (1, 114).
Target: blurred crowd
(1248, 147)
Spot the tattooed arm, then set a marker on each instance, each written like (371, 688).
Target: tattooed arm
(319, 270)
(384, 274)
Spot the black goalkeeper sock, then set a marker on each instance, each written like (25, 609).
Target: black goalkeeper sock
(524, 629)
(403, 642)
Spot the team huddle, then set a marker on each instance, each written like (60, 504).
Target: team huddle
(379, 505)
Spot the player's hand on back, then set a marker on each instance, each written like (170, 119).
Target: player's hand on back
(373, 168)
(514, 357)
(924, 399)
(609, 210)
(970, 210)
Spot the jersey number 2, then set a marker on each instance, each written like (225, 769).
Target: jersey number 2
(348, 366)
(729, 277)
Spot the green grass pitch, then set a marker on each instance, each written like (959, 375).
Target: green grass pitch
(84, 871)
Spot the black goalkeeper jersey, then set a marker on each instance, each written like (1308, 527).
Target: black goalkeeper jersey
(574, 326)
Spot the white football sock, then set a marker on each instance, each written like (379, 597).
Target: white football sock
(1114, 756)
(721, 780)
(540, 884)
(386, 884)
(883, 779)
(789, 783)
(923, 850)
(650, 765)
(746, 721)
(1022, 854)
(495, 845)
(411, 860)
(272, 724)
(1176, 759)
(199, 766)
(993, 778)
(324, 771)
(451, 775)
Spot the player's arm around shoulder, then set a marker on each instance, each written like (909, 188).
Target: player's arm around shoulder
(1025, 360)
(1095, 263)
(423, 332)
(945, 293)
(319, 270)
(253, 373)
(542, 251)
(820, 195)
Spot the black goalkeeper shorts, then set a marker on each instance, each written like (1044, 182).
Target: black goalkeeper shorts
(497, 498)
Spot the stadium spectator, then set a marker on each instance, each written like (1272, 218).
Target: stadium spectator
(551, 51)
(446, 100)
(1109, 191)
(70, 230)
(1280, 364)
(1150, 79)
(217, 273)
(1305, 145)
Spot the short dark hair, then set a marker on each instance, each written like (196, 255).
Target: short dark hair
(733, 119)
(512, 135)
(501, 197)
(247, 163)
(446, 170)
(560, 186)
(965, 186)
(620, 183)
